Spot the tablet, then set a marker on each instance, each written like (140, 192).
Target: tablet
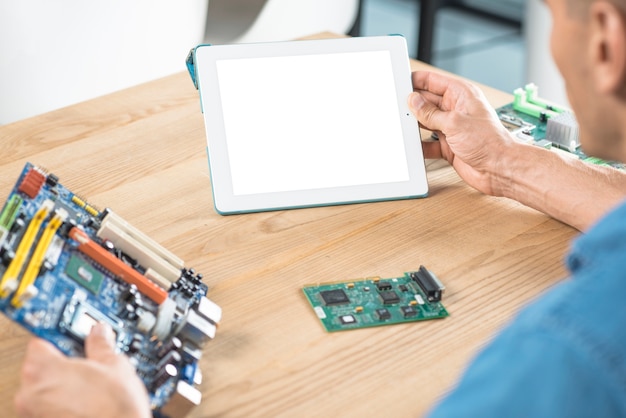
(309, 123)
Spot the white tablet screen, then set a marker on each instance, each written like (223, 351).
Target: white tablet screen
(311, 121)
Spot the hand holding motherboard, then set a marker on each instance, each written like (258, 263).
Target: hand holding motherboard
(53, 385)
(65, 267)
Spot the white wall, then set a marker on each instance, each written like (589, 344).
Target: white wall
(540, 67)
(57, 52)
(289, 19)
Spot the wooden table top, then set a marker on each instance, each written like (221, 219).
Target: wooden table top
(141, 151)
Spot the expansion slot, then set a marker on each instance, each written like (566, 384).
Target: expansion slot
(25, 288)
(137, 235)
(117, 267)
(521, 104)
(532, 96)
(9, 279)
(144, 254)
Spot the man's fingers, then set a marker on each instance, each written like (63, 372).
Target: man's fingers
(40, 354)
(433, 82)
(100, 344)
(431, 150)
(426, 113)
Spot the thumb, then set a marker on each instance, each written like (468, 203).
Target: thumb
(429, 115)
(100, 344)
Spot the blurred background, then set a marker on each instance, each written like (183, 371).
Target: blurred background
(54, 54)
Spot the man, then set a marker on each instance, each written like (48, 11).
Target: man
(563, 355)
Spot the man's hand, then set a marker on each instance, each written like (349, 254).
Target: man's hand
(104, 384)
(474, 141)
(471, 137)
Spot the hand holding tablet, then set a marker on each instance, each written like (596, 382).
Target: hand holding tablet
(309, 123)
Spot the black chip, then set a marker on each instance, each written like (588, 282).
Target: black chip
(403, 288)
(389, 297)
(409, 311)
(383, 314)
(52, 180)
(334, 297)
(383, 285)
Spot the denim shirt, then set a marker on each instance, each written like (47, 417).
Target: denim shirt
(565, 354)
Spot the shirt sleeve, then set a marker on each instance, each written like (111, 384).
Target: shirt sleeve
(531, 373)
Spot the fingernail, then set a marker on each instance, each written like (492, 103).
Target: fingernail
(416, 100)
(105, 331)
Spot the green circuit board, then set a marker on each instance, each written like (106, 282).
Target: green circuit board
(529, 117)
(372, 302)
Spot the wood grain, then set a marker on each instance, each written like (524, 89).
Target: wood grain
(141, 152)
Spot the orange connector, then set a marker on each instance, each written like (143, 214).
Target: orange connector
(90, 248)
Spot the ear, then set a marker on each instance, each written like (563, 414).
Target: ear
(607, 41)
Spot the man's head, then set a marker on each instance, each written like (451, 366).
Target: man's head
(589, 47)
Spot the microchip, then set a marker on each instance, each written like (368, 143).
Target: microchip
(383, 286)
(383, 313)
(408, 311)
(334, 297)
(389, 297)
(403, 288)
(347, 319)
(84, 274)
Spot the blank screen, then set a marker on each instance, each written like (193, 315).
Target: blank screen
(311, 122)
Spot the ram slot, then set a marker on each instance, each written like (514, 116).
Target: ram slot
(26, 289)
(9, 280)
(9, 213)
(148, 253)
(107, 260)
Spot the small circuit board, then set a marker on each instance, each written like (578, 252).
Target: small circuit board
(537, 121)
(374, 301)
(65, 265)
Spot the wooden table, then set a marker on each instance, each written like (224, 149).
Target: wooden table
(141, 152)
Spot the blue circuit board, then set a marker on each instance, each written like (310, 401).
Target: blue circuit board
(65, 265)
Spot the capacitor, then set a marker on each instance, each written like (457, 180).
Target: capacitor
(7, 257)
(18, 225)
(172, 357)
(163, 374)
(174, 344)
(135, 344)
(129, 294)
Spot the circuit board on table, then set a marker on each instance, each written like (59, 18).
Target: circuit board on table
(539, 122)
(64, 266)
(372, 302)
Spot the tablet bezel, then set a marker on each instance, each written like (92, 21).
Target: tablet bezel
(227, 202)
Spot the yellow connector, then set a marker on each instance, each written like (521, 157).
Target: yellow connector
(9, 279)
(77, 200)
(91, 210)
(34, 266)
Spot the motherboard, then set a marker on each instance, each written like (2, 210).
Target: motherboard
(65, 265)
(537, 121)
